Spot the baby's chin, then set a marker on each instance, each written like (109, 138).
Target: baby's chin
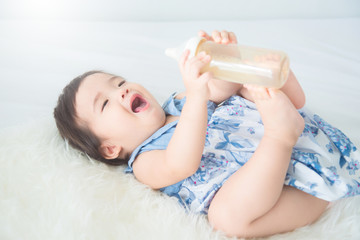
(157, 116)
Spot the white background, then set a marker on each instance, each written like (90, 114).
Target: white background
(176, 10)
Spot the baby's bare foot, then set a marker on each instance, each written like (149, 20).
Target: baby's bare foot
(280, 117)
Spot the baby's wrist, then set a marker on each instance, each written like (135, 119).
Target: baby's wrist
(286, 141)
(196, 97)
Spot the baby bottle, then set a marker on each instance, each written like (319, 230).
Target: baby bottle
(239, 64)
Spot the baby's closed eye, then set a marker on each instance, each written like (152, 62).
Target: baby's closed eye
(103, 106)
(121, 83)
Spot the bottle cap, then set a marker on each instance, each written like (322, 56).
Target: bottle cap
(191, 44)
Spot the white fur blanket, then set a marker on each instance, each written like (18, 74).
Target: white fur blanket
(50, 191)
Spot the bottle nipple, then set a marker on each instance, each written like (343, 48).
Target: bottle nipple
(174, 53)
(191, 44)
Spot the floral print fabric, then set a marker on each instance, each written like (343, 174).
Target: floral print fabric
(324, 162)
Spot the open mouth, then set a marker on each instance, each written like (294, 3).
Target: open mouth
(138, 103)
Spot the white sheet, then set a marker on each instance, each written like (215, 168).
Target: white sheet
(37, 59)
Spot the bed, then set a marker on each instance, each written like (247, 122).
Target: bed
(50, 191)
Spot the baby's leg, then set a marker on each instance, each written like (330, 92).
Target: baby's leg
(252, 191)
(293, 209)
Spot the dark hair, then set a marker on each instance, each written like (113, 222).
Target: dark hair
(79, 137)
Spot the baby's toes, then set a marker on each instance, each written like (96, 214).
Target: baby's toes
(276, 57)
(273, 57)
(258, 92)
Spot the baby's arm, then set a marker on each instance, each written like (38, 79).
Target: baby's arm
(181, 159)
(221, 90)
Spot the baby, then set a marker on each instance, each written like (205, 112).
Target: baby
(243, 155)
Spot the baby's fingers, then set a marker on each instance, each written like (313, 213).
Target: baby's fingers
(206, 76)
(216, 36)
(232, 37)
(198, 62)
(225, 37)
(203, 34)
(183, 58)
(258, 92)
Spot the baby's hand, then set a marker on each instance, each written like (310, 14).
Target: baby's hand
(196, 83)
(281, 119)
(223, 37)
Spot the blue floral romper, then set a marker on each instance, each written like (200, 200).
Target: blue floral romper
(324, 162)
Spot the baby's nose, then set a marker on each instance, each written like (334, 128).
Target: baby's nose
(124, 94)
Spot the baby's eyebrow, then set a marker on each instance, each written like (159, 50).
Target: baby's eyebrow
(112, 79)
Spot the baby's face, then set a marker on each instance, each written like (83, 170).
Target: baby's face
(120, 113)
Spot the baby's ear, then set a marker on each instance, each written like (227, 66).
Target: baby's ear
(110, 151)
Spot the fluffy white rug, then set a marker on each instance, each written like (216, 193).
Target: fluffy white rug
(48, 191)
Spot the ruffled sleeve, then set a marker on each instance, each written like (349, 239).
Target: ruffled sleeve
(173, 106)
